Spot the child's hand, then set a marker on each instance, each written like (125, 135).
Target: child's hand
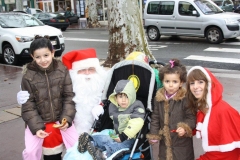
(41, 134)
(180, 131)
(64, 128)
(117, 140)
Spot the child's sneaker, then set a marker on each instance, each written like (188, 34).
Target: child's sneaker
(82, 142)
(95, 152)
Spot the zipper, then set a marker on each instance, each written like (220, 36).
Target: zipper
(50, 96)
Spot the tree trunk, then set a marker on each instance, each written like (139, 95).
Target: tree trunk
(92, 14)
(126, 32)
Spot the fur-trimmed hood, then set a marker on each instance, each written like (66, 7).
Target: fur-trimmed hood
(160, 95)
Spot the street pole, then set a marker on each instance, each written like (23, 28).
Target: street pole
(140, 5)
(19, 5)
(103, 10)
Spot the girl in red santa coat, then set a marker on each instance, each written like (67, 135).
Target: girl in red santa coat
(217, 122)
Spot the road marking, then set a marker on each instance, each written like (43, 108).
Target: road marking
(225, 75)
(213, 59)
(85, 39)
(73, 32)
(223, 49)
(155, 47)
(232, 43)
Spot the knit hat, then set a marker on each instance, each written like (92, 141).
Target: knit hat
(81, 59)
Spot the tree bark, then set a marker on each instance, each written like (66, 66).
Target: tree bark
(92, 14)
(126, 32)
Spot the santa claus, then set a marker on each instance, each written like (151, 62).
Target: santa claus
(88, 79)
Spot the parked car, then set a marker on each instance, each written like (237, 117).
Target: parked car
(17, 31)
(198, 18)
(237, 10)
(53, 19)
(72, 18)
(225, 5)
(33, 10)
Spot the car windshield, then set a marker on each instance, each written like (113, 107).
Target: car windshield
(56, 14)
(219, 3)
(18, 21)
(208, 7)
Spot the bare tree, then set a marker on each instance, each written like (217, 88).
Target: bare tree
(126, 32)
(92, 14)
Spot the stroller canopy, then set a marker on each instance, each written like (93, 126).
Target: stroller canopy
(140, 73)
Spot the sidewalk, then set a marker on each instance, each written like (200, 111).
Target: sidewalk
(76, 26)
(12, 125)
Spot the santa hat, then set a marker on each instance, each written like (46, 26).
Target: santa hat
(80, 59)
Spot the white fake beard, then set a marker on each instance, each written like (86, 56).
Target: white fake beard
(88, 91)
(87, 88)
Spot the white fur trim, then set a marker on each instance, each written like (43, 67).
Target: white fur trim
(198, 134)
(223, 148)
(199, 126)
(86, 63)
(52, 151)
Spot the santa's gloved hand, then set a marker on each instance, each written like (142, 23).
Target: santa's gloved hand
(22, 97)
(97, 111)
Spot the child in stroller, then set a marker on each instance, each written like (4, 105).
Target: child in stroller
(127, 114)
(144, 81)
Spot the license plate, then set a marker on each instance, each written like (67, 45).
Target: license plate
(53, 42)
(61, 20)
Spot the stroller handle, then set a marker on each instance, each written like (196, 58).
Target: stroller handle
(157, 62)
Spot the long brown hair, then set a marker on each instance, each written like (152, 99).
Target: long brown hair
(194, 103)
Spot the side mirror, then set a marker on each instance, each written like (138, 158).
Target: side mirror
(195, 13)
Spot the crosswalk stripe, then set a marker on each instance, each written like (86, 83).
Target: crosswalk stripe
(213, 59)
(85, 39)
(223, 49)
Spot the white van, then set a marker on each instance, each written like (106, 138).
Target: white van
(199, 18)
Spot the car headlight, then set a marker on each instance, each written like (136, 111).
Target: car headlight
(24, 38)
(230, 21)
(60, 36)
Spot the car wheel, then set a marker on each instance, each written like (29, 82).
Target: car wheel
(214, 35)
(63, 29)
(153, 33)
(9, 56)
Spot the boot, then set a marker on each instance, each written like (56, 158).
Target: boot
(95, 152)
(82, 142)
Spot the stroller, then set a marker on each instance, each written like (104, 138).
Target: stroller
(144, 80)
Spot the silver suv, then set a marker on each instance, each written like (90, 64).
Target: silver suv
(199, 18)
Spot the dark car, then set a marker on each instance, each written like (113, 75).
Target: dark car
(73, 18)
(53, 19)
(237, 10)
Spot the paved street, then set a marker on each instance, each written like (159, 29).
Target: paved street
(12, 126)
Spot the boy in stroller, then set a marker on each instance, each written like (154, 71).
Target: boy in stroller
(127, 114)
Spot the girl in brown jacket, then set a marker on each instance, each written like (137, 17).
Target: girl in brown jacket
(49, 86)
(172, 121)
